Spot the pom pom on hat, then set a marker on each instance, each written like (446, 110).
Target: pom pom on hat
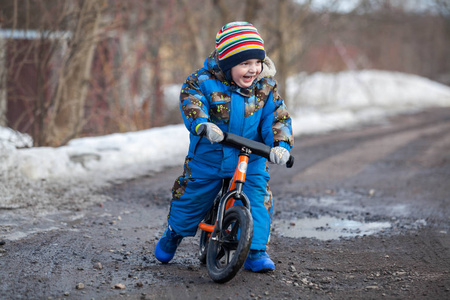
(237, 42)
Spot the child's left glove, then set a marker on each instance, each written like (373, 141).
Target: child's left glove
(279, 155)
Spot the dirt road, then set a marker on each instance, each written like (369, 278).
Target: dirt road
(364, 214)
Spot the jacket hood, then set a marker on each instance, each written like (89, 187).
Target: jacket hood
(212, 65)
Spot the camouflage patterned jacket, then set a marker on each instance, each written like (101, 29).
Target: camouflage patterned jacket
(258, 112)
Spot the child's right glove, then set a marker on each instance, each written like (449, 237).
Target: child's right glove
(210, 131)
(279, 155)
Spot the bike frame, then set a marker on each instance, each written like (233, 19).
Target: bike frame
(235, 191)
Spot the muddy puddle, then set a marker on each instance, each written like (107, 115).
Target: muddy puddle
(327, 228)
(16, 226)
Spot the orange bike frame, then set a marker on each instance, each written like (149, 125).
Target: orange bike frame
(238, 177)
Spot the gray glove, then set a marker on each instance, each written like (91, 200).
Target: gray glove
(279, 155)
(210, 131)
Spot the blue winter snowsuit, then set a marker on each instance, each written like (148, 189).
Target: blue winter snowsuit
(257, 113)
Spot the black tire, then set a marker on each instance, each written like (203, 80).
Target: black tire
(204, 236)
(203, 246)
(227, 254)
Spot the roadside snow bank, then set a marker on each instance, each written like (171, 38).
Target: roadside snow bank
(109, 156)
(365, 89)
(322, 101)
(12, 137)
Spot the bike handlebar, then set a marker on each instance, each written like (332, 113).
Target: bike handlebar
(237, 141)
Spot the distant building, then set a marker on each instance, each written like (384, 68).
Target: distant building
(27, 65)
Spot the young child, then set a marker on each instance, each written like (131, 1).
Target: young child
(234, 92)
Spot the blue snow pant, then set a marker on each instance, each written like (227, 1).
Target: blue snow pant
(194, 192)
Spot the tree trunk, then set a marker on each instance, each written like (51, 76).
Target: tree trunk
(75, 74)
(158, 106)
(251, 10)
(282, 66)
(192, 26)
(224, 12)
(3, 97)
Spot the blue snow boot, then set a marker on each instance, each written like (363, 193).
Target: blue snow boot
(167, 245)
(259, 261)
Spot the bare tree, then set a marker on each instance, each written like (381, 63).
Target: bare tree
(224, 11)
(3, 97)
(73, 83)
(192, 25)
(51, 113)
(285, 37)
(252, 8)
(282, 18)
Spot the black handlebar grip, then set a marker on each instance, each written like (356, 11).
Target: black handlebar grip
(290, 162)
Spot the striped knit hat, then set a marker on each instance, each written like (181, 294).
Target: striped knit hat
(237, 42)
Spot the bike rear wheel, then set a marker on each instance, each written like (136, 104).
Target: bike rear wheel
(203, 246)
(229, 248)
(209, 219)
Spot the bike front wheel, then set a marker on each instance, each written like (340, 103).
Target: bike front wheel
(228, 249)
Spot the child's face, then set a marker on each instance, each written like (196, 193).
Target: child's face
(244, 73)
